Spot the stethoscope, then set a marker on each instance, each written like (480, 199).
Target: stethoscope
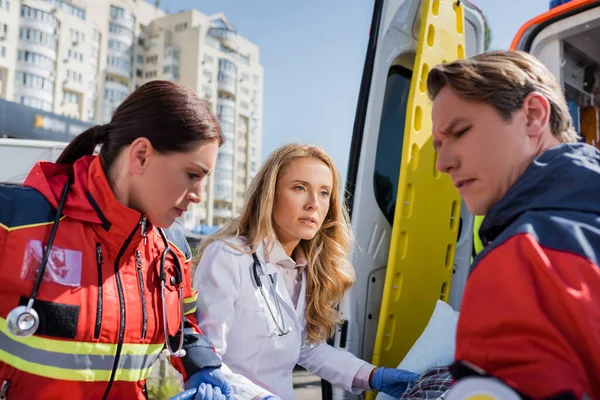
(282, 329)
(23, 321)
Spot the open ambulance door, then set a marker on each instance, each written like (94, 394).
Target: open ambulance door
(413, 237)
(566, 40)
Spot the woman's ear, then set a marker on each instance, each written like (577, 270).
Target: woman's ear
(140, 152)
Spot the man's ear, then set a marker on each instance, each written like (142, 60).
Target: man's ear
(537, 111)
(140, 152)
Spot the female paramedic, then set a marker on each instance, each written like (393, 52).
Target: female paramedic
(269, 283)
(94, 285)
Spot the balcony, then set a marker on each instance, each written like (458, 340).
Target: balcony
(39, 48)
(225, 36)
(226, 84)
(72, 86)
(126, 21)
(119, 66)
(118, 87)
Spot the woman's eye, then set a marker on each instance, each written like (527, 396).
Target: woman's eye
(325, 193)
(299, 188)
(193, 177)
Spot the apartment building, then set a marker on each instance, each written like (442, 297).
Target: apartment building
(82, 58)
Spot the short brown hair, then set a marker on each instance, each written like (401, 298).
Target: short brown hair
(503, 79)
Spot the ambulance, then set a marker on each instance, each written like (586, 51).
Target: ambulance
(414, 237)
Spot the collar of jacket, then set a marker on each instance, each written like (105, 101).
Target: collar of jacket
(90, 198)
(563, 178)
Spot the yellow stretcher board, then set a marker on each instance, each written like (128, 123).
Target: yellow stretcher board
(425, 229)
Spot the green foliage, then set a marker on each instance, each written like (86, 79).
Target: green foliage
(164, 390)
(488, 37)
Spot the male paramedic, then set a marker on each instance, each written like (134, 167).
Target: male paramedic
(530, 314)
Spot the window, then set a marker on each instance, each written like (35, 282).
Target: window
(211, 41)
(77, 36)
(33, 81)
(181, 27)
(139, 73)
(389, 143)
(244, 59)
(76, 55)
(118, 45)
(226, 79)
(3, 51)
(152, 59)
(121, 30)
(227, 66)
(71, 97)
(38, 15)
(35, 36)
(140, 59)
(208, 59)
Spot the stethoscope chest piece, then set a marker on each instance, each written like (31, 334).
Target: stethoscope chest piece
(22, 321)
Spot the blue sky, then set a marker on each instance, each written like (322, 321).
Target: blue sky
(313, 53)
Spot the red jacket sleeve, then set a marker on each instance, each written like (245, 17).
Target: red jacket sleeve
(530, 316)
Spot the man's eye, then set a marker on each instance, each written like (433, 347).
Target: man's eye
(461, 132)
(193, 176)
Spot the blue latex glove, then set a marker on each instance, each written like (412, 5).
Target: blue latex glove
(392, 381)
(202, 392)
(213, 377)
(271, 397)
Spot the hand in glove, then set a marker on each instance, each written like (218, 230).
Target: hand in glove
(391, 381)
(213, 377)
(202, 392)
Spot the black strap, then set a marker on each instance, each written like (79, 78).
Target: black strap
(61, 204)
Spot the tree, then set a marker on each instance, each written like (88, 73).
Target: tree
(487, 38)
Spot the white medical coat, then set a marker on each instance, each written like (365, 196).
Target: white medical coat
(233, 314)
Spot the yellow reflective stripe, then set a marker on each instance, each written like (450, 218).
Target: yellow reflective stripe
(72, 347)
(85, 375)
(189, 303)
(77, 361)
(14, 228)
(187, 311)
(192, 298)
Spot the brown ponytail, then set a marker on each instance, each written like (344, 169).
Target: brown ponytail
(83, 144)
(169, 115)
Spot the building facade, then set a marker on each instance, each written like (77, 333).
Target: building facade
(82, 58)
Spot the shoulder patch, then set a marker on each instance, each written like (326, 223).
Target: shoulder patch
(176, 236)
(22, 207)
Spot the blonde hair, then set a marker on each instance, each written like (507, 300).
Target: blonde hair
(503, 79)
(329, 272)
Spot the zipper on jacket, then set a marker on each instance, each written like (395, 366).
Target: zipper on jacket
(4, 389)
(121, 308)
(143, 223)
(138, 262)
(99, 262)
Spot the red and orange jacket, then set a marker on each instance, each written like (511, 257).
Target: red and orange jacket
(530, 313)
(99, 303)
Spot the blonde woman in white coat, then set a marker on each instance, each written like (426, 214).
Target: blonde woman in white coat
(269, 313)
